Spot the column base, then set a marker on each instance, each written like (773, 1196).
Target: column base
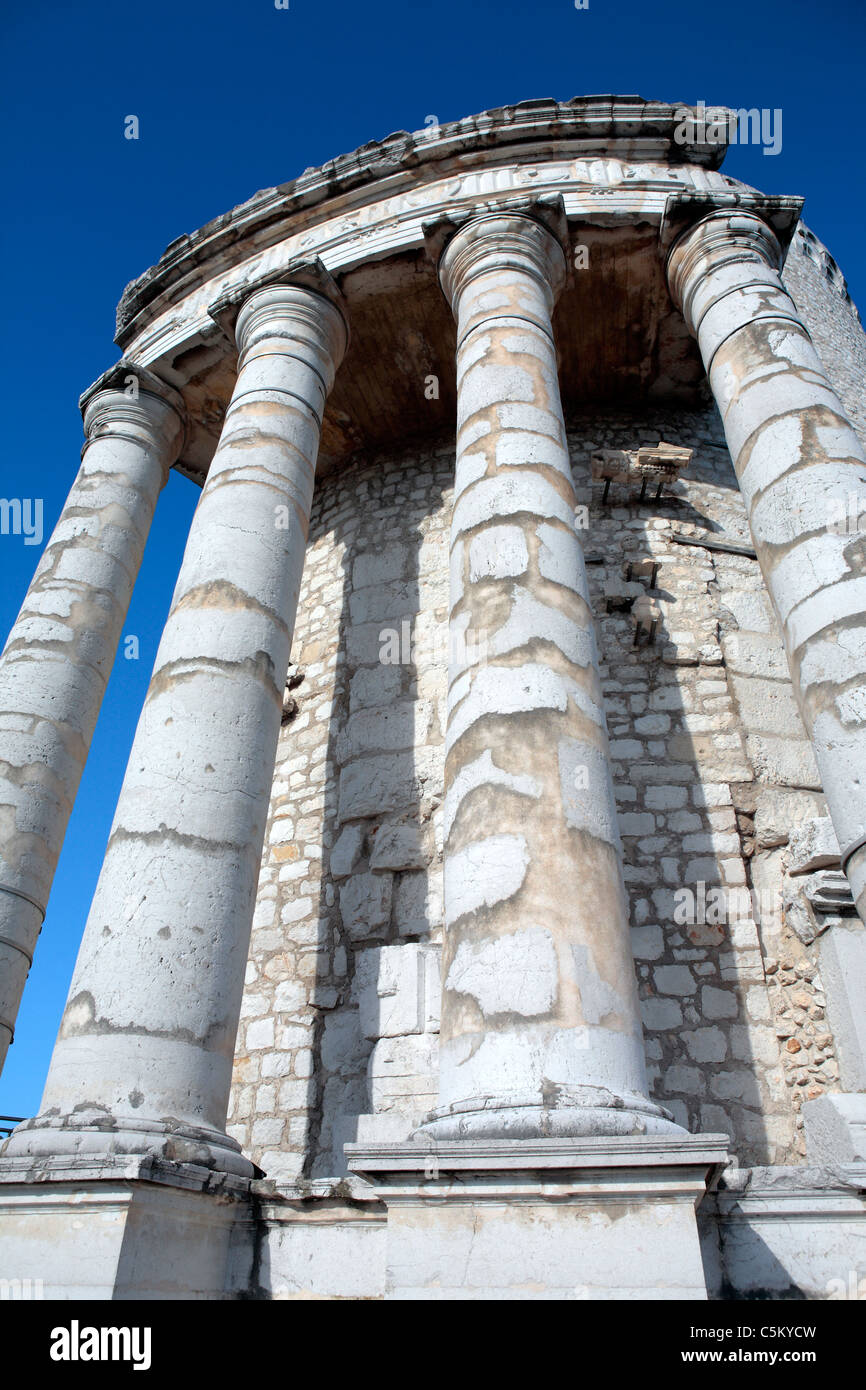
(599, 1218)
(122, 1228)
(98, 1135)
(568, 1112)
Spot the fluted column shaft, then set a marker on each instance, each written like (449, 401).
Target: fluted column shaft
(541, 1032)
(58, 657)
(144, 1056)
(799, 464)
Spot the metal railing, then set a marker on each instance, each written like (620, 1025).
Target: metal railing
(8, 1123)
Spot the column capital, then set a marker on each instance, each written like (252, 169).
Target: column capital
(292, 311)
(304, 289)
(496, 241)
(720, 239)
(132, 402)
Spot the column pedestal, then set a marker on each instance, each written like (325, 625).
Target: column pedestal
(570, 1219)
(122, 1228)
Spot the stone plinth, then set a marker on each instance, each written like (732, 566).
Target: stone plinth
(787, 1233)
(543, 1219)
(123, 1228)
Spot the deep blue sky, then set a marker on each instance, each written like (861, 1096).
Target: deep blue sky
(235, 95)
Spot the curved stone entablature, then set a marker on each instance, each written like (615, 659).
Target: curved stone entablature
(628, 127)
(615, 164)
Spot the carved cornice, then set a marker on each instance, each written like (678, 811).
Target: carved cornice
(781, 213)
(627, 127)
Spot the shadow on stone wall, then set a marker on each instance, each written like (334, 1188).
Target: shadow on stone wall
(685, 789)
(375, 1050)
(342, 999)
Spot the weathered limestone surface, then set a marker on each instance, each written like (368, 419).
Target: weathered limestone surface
(752, 1000)
(318, 1055)
(59, 655)
(143, 1060)
(787, 1233)
(540, 1025)
(798, 461)
(590, 1218)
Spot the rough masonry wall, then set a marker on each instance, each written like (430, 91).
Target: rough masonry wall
(717, 791)
(817, 287)
(706, 738)
(344, 972)
(339, 1029)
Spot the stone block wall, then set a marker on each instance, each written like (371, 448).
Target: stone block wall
(704, 734)
(713, 771)
(818, 288)
(340, 1014)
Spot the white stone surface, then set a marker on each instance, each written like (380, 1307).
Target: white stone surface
(539, 1003)
(765, 1234)
(121, 1230)
(58, 657)
(492, 1220)
(150, 1024)
(513, 974)
(497, 553)
(793, 449)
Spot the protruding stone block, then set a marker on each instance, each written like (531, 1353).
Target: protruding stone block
(365, 904)
(813, 845)
(347, 851)
(373, 785)
(778, 812)
(398, 847)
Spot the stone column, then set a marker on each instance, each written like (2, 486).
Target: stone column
(144, 1056)
(800, 467)
(57, 660)
(541, 1031)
